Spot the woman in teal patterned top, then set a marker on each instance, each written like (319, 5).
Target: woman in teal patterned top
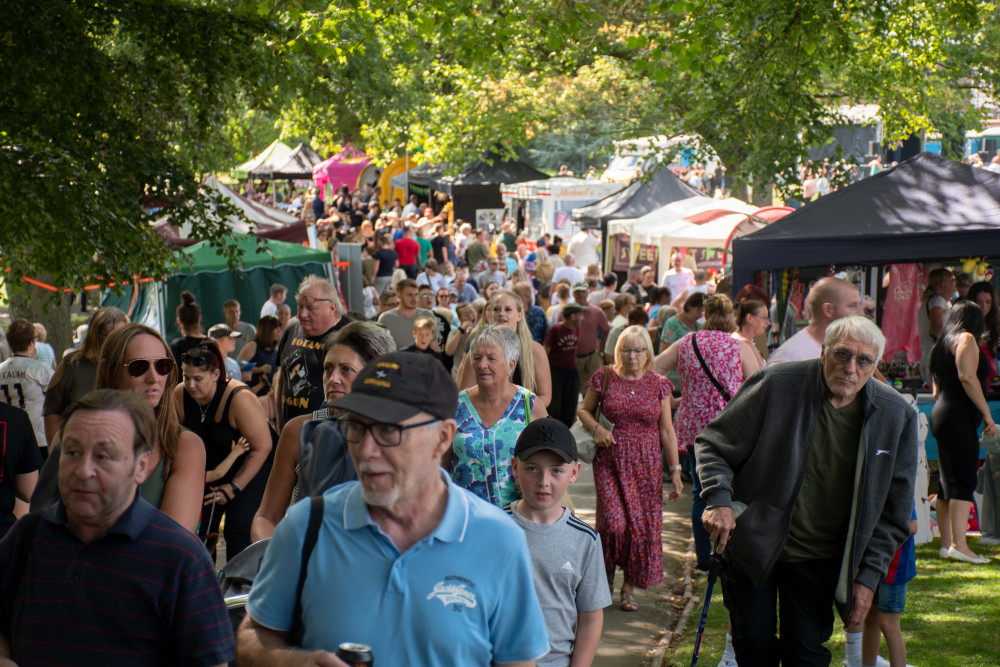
(490, 416)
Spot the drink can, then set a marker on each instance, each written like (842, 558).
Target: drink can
(356, 655)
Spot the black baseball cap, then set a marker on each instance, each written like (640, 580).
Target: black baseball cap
(399, 385)
(546, 433)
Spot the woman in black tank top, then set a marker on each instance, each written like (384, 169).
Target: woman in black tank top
(960, 371)
(220, 411)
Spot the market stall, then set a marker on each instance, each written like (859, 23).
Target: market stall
(200, 270)
(546, 206)
(475, 192)
(888, 228)
(704, 226)
(642, 196)
(254, 218)
(349, 167)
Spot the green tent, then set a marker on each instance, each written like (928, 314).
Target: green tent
(204, 273)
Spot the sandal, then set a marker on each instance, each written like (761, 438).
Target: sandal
(628, 601)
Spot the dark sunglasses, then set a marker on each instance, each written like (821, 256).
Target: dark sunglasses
(139, 367)
(197, 358)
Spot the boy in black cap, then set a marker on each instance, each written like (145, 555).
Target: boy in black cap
(566, 553)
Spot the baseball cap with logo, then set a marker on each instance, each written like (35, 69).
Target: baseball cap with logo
(546, 433)
(581, 286)
(399, 385)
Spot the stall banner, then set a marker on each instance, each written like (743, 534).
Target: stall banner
(621, 257)
(899, 317)
(645, 255)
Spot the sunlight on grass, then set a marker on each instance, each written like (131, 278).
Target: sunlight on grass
(952, 616)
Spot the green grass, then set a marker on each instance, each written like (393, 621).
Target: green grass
(952, 616)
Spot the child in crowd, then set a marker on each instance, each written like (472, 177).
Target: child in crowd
(424, 332)
(883, 617)
(566, 553)
(238, 449)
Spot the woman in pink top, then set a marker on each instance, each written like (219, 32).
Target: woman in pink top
(730, 361)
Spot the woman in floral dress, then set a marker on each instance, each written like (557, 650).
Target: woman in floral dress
(490, 416)
(628, 466)
(730, 361)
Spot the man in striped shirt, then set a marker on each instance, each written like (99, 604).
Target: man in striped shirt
(100, 576)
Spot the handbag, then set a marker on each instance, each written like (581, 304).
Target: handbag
(718, 385)
(586, 449)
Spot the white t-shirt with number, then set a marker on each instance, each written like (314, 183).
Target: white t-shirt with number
(23, 381)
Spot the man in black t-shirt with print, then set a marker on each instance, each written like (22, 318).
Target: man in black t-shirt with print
(299, 386)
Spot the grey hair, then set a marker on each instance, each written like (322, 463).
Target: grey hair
(857, 328)
(325, 287)
(498, 335)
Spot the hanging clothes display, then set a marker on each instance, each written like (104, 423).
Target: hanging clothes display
(899, 317)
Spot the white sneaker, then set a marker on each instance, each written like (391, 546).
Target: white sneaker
(727, 662)
(943, 553)
(882, 662)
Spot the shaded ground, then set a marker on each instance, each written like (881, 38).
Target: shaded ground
(643, 637)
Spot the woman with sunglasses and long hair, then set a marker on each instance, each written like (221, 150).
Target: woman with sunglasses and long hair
(136, 358)
(221, 411)
(76, 374)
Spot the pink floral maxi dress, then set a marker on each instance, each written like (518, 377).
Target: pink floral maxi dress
(628, 477)
(702, 401)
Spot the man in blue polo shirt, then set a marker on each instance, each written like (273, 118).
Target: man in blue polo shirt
(406, 562)
(100, 576)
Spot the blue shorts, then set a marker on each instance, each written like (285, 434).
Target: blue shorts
(891, 598)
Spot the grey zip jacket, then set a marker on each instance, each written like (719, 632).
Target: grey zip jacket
(755, 452)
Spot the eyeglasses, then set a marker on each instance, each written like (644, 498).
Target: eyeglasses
(843, 357)
(385, 435)
(309, 302)
(634, 352)
(138, 367)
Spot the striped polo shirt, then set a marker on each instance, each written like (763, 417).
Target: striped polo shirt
(143, 593)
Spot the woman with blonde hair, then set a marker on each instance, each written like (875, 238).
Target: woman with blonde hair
(532, 369)
(76, 374)
(628, 466)
(543, 267)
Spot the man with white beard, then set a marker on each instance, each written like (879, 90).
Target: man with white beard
(405, 562)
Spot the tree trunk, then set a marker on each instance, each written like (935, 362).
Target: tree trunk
(35, 304)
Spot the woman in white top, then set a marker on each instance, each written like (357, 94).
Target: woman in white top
(934, 307)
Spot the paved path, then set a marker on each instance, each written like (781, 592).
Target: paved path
(640, 638)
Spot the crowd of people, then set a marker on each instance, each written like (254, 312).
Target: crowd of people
(429, 429)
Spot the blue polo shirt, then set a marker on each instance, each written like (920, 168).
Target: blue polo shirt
(143, 593)
(463, 595)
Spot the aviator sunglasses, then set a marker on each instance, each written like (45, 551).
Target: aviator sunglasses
(138, 367)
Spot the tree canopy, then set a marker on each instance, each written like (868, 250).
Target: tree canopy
(109, 106)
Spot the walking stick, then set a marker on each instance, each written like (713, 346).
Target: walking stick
(713, 572)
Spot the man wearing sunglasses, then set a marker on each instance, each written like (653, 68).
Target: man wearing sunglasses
(405, 561)
(822, 458)
(298, 385)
